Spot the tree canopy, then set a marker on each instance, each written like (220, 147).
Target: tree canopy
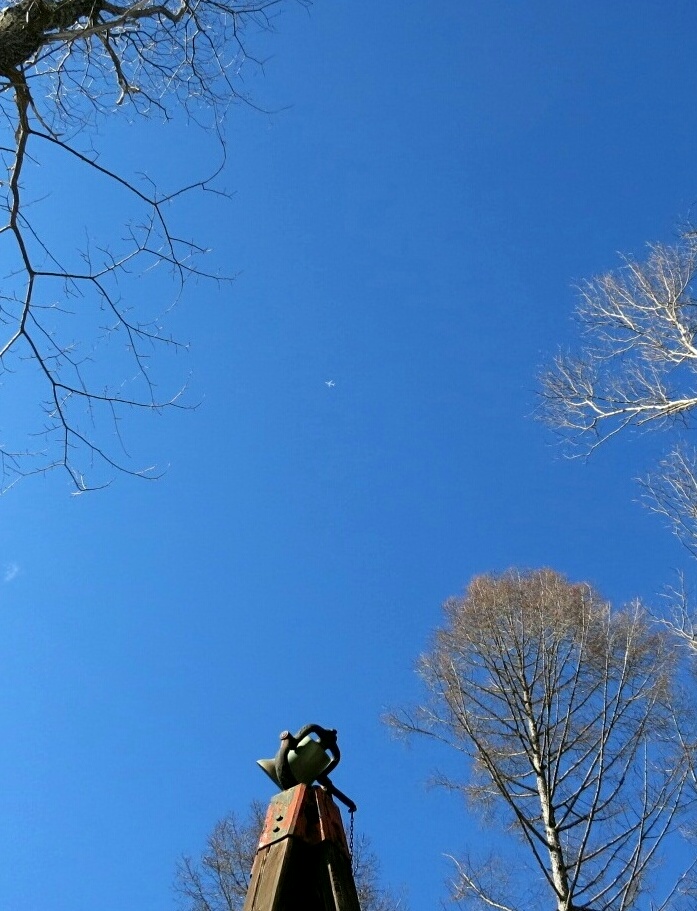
(567, 710)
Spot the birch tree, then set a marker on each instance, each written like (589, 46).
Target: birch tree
(66, 323)
(564, 709)
(635, 370)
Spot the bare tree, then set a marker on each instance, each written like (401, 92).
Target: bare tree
(63, 65)
(637, 368)
(565, 709)
(218, 881)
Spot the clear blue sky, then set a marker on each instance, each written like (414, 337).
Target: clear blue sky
(407, 222)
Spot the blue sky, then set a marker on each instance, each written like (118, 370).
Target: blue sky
(408, 219)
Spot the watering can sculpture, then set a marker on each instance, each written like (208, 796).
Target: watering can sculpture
(303, 758)
(303, 860)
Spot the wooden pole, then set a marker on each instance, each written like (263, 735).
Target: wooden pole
(302, 862)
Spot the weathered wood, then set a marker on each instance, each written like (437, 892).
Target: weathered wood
(303, 862)
(268, 874)
(337, 878)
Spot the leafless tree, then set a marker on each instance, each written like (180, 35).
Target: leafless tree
(637, 368)
(64, 64)
(565, 709)
(218, 881)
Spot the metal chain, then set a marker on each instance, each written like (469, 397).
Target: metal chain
(351, 814)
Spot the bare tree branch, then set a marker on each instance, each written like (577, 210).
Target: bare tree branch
(639, 360)
(636, 368)
(63, 65)
(681, 620)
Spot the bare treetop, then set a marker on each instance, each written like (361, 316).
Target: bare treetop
(636, 367)
(639, 358)
(565, 708)
(62, 64)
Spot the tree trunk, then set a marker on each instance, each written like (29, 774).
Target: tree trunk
(25, 26)
(556, 853)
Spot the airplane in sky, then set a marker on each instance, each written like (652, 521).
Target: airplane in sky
(329, 383)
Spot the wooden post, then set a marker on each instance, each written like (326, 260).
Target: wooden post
(302, 862)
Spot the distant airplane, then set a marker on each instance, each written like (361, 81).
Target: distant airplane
(329, 383)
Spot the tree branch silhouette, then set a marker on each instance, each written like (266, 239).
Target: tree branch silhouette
(64, 64)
